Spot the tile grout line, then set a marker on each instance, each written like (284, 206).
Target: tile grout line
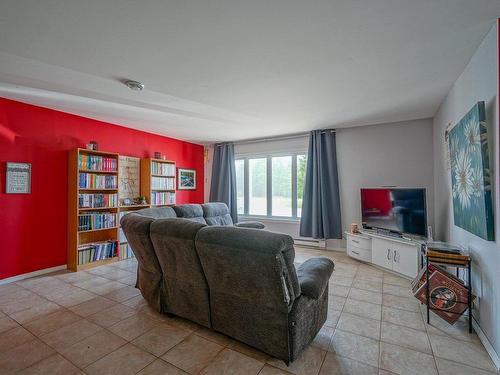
(67, 309)
(335, 328)
(381, 323)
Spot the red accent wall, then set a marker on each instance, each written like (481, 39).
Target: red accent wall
(33, 227)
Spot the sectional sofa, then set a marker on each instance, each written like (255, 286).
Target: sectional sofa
(241, 282)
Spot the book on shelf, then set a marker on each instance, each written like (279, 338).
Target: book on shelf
(164, 169)
(97, 200)
(97, 163)
(162, 183)
(126, 251)
(96, 220)
(121, 233)
(96, 181)
(97, 251)
(159, 198)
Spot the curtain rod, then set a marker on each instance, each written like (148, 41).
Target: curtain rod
(277, 138)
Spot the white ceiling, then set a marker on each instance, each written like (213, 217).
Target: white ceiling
(234, 69)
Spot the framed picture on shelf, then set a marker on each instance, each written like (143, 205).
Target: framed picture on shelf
(186, 178)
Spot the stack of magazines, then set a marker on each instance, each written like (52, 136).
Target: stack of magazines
(448, 295)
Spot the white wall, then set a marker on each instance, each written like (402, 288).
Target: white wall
(395, 154)
(293, 144)
(478, 82)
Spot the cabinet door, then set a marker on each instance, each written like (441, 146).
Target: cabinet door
(382, 253)
(405, 259)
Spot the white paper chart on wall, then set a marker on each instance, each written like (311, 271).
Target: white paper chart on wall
(129, 180)
(18, 176)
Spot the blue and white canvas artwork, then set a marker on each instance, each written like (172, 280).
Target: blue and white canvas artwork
(470, 174)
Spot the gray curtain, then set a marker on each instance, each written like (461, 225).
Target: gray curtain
(223, 185)
(321, 202)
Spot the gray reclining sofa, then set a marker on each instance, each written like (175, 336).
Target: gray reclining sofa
(238, 281)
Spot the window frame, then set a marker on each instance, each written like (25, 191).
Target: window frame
(269, 179)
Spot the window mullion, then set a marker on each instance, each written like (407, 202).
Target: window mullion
(269, 185)
(246, 188)
(294, 185)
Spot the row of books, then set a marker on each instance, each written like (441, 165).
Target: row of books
(97, 251)
(97, 200)
(126, 251)
(165, 169)
(158, 198)
(448, 295)
(96, 220)
(97, 181)
(163, 183)
(97, 163)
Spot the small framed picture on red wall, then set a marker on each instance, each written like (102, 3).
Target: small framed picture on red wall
(186, 179)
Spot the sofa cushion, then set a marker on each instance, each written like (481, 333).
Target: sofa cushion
(192, 212)
(186, 290)
(149, 274)
(250, 224)
(313, 276)
(157, 212)
(216, 213)
(249, 277)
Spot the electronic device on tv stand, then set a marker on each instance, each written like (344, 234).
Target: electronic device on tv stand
(394, 211)
(387, 232)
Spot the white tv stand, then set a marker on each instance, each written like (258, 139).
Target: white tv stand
(396, 254)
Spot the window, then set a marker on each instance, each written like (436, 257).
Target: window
(240, 186)
(282, 186)
(301, 178)
(271, 185)
(257, 186)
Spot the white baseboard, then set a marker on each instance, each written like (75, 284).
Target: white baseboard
(487, 345)
(310, 242)
(337, 249)
(32, 274)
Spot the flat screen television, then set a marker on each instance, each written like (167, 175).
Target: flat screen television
(398, 210)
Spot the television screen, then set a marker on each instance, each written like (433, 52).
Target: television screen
(394, 209)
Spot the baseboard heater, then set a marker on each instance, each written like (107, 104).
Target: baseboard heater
(310, 242)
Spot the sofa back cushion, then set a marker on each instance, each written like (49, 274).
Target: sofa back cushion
(157, 212)
(216, 213)
(192, 212)
(186, 290)
(252, 282)
(149, 274)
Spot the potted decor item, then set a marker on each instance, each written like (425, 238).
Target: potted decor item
(92, 146)
(141, 200)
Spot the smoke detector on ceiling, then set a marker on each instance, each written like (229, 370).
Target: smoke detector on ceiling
(134, 85)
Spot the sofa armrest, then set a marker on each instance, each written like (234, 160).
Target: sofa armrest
(313, 276)
(250, 224)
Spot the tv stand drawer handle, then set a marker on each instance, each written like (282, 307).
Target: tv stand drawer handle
(355, 241)
(388, 254)
(354, 252)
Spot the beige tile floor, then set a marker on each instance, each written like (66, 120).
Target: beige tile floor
(96, 322)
